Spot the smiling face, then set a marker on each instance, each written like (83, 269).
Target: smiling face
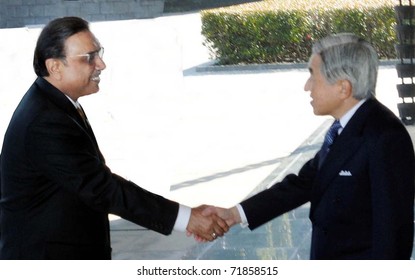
(77, 74)
(80, 75)
(326, 98)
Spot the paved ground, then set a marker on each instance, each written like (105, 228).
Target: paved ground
(195, 137)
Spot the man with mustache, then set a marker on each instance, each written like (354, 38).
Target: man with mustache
(56, 190)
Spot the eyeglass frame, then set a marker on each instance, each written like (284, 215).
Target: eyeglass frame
(91, 56)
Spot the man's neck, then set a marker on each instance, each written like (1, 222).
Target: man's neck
(57, 85)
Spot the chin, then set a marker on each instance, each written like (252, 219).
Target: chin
(317, 113)
(90, 92)
(95, 89)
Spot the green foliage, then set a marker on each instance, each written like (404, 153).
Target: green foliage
(286, 36)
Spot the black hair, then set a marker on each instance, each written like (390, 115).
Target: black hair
(51, 41)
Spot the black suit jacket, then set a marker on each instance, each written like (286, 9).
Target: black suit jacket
(56, 191)
(362, 197)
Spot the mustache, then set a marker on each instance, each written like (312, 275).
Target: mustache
(96, 74)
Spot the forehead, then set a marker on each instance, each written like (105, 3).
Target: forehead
(314, 63)
(81, 42)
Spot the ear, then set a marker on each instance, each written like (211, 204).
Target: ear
(345, 89)
(54, 67)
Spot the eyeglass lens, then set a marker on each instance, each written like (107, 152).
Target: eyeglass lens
(93, 55)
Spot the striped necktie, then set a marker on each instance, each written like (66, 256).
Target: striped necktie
(331, 135)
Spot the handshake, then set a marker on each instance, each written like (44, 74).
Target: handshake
(208, 222)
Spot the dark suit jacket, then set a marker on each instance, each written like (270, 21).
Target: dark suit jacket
(362, 197)
(56, 191)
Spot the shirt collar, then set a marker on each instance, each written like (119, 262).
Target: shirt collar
(75, 103)
(346, 117)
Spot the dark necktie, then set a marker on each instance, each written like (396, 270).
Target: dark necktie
(88, 128)
(82, 114)
(331, 135)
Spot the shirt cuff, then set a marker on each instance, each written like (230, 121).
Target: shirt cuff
(244, 221)
(183, 217)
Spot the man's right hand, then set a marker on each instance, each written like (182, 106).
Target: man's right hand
(231, 215)
(206, 227)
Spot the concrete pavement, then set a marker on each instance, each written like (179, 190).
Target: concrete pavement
(194, 137)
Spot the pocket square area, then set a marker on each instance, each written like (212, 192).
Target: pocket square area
(345, 173)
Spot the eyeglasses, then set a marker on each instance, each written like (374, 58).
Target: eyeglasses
(91, 56)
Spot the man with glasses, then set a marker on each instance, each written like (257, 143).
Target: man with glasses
(56, 190)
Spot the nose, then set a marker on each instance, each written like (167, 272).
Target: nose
(99, 63)
(307, 85)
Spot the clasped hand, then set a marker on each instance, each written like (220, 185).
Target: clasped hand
(209, 222)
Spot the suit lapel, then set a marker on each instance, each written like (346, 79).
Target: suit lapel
(63, 103)
(344, 148)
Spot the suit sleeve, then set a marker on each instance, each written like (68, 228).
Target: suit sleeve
(64, 153)
(290, 193)
(392, 185)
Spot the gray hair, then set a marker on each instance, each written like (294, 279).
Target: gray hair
(346, 56)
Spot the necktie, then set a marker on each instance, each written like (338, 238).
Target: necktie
(82, 114)
(331, 135)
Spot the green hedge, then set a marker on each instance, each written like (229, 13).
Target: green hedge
(286, 36)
